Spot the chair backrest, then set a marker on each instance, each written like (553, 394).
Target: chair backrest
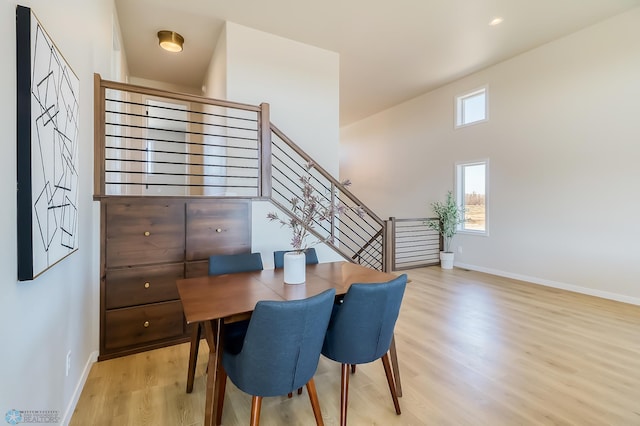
(282, 346)
(310, 255)
(231, 263)
(361, 327)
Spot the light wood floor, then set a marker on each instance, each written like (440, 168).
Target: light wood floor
(474, 349)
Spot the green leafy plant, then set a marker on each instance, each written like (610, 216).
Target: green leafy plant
(449, 216)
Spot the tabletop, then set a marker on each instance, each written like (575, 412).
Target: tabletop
(220, 296)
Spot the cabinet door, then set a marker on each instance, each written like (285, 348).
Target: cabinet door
(141, 233)
(220, 227)
(142, 284)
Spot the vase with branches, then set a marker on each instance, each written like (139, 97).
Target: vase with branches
(308, 209)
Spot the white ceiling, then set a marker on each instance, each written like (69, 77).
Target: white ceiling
(390, 51)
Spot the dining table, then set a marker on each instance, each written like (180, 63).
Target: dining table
(215, 300)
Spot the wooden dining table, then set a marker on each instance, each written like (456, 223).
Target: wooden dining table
(215, 300)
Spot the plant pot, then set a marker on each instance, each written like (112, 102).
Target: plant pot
(295, 267)
(446, 260)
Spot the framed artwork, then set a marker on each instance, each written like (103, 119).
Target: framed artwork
(47, 149)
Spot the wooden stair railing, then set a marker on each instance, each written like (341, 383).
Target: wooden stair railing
(150, 142)
(356, 230)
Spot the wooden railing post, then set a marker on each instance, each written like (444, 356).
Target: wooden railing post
(264, 138)
(333, 217)
(98, 136)
(389, 244)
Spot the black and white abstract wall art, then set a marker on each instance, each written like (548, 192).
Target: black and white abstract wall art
(47, 149)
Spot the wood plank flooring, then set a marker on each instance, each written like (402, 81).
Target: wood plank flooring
(474, 349)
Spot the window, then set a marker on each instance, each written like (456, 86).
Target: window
(472, 195)
(472, 107)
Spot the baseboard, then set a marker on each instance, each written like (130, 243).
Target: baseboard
(93, 357)
(555, 284)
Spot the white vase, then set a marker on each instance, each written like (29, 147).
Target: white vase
(295, 266)
(446, 260)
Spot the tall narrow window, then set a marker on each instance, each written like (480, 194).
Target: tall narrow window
(472, 107)
(472, 195)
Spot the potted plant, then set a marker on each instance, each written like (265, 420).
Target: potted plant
(448, 217)
(307, 209)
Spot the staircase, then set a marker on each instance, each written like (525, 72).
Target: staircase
(150, 142)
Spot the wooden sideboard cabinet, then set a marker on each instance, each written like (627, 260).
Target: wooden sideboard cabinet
(146, 245)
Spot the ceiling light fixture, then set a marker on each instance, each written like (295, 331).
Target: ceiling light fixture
(495, 21)
(170, 40)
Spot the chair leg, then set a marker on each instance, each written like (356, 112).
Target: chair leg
(315, 404)
(256, 403)
(290, 394)
(353, 368)
(393, 354)
(193, 355)
(390, 381)
(222, 384)
(344, 394)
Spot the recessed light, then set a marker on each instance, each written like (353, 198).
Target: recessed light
(495, 21)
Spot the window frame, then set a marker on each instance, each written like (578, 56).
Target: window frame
(459, 194)
(459, 110)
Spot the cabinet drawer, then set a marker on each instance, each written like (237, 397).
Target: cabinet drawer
(144, 233)
(132, 326)
(223, 227)
(141, 285)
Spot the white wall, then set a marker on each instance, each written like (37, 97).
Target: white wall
(301, 85)
(215, 80)
(563, 143)
(43, 319)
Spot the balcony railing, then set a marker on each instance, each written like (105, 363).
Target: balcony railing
(150, 142)
(415, 244)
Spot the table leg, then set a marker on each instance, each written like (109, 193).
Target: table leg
(212, 331)
(193, 355)
(394, 365)
(218, 391)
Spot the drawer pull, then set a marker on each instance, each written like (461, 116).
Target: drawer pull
(146, 324)
(219, 230)
(147, 233)
(147, 285)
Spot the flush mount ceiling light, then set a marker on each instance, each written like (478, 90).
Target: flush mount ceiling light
(495, 21)
(170, 41)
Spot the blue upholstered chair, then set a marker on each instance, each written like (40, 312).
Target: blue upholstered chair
(219, 265)
(280, 351)
(310, 255)
(361, 330)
